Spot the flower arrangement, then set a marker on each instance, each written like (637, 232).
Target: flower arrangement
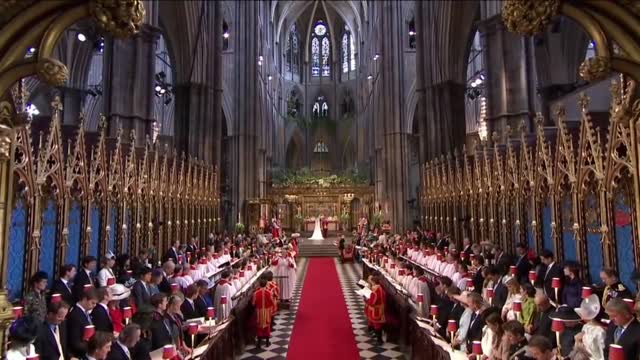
(240, 228)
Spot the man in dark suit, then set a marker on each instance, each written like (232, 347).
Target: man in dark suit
(623, 330)
(100, 314)
(441, 242)
(478, 278)
(167, 272)
(188, 307)
(500, 291)
(141, 289)
(79, 318)
(51, 342)
(127, 340)
(522, 263)
(192, 246)
(476, 304)
(62, 285)
(466, 248)
(84, 277)
(552, 270)
(200, 302)
(172, 253)
(542, 322)
(502, 259)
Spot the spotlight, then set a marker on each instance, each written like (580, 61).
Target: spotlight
(369, 77)
(225, 35)
(269, 78)
(412, 33)
(82, 37)
(32, 50)
(158, 88)
(376, 57)
(474, 84)
(259, 62)
(163, 90)
(260, 58)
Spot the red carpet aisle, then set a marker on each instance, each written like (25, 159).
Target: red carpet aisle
(322, 329)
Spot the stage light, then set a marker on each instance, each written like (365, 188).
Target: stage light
(82, 37)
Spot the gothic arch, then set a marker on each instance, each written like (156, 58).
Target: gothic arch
(294, 149)
(410, 106)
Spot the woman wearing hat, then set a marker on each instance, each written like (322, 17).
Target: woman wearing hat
(513, 288)
(591, 339)
(22, 335)
(107, 269)
(572, 327)
(118, 293)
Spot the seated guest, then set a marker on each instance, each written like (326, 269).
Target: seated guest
(501, 258)
(515, 344)
(463, 319)
(263, 302)
(477, 263)
(22, 335)
(623, 330)
(35, 303)
(161, 334)
(141, 289)
(223, 289)
(572, 327)
(593, 334)
(80, 317)
(144, 318)
(84, 277)
(492, 334)
(540, 348)
(614, 289)
(466, 247)
(119, 295)
(477, 305)
(62, 285)
(375, 308)
(172, 253)
(542, 322)
(201, 303)
(100, 314)
(572, 292)
(52, 335)
(127, 340)
(106, 271)
(528, 315)
(167, 272)
(188, 307)
(522, 263)
(513, 288)
(141, 261)
(500, 290)
(156, 279)
(552, 270)
(175, 321)
(99, 346)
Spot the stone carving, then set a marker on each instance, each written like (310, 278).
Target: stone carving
(121, 18)
(595, 68)
(529, 17)
(52, 71)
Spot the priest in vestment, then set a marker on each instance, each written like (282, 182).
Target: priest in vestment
(284, 268)
(375, 308)
(264, 304)
(224, 289)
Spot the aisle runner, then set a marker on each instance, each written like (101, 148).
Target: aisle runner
(369, 349)
(322, 327)
(284, 324)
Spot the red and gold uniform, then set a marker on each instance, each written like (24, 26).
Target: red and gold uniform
(275, 294)
(264, 304)
(375, 307)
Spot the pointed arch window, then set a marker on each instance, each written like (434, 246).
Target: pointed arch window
(320, 108)
(348, 52)
(320, 51)
(292, 51)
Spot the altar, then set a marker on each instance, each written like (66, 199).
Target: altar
(309, 224)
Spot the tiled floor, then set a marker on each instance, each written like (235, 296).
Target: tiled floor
(283, 325)
(369, 349)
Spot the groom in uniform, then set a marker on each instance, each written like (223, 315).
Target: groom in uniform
(325, 226)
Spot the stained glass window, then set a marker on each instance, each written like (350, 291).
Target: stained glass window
(320, 51)
(352, 49)
(326, 69)
(320, 108)
(287, 51)
(345, 53)
(315, 57)
(291, 51)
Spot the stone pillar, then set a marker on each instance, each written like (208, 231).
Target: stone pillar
(243, 136)
(73, 99)
(510, 76)
(394, 157)
(129, 78)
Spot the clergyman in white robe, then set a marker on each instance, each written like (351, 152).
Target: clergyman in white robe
(224, 288)
(285, 273)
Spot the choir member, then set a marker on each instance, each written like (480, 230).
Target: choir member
(127, 340)
(106, 272)
(263, 302)
(78, 318)
(284, 268)
(422, 287)
(100, 314)
(62, 285)
(623, 330)
(614, 288)
(141, 288)
(84, 277)
(552, 270)
(99, 346)
(35, 303)
(375, 308)
(224, 289)
(52, 335)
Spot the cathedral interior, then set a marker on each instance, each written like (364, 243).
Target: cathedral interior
(126, 126)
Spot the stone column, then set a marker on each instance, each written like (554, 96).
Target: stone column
(510, 76)
(394, 157)
(243, 137)
(73, 99)
(129, 70)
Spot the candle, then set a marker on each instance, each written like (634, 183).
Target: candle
(211, 312)
(111, 281)
(126, 312)
(517, 306)
(420, 298)
(490, 293)
(193, 329)
(555, 283)
(586, 292)
(393, 266)
(168, 352)
(514, 270)
(477, 347)
(533, 276)
(616, 352)
(631, 303)
(434, 310)
(88, 333)
(223, 300)
(33, 357)
(452, 326)
(18, 311)
(557, 325)
(174, 288)
(88, 287)
(401, 272)
(56, 298)
(180, 258)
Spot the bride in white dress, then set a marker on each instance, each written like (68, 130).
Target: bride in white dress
(317, 231)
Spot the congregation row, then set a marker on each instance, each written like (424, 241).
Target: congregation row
(486, 302)
(135, 307)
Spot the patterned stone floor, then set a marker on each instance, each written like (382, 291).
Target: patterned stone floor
(349, 275)
(283, 325)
